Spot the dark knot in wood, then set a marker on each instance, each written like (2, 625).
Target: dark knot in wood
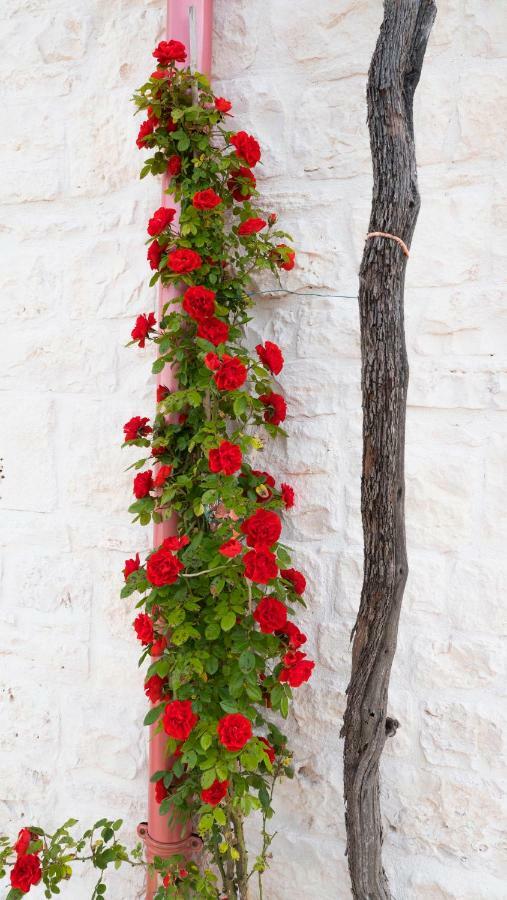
(392, 726)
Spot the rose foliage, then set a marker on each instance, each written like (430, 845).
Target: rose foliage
(40, 858)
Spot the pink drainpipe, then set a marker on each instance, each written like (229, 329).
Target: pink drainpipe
(160, 837)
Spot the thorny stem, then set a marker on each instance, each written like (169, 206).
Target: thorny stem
(242, 862)
(204, 572)
(207, 406)
(267, 839)
(219, 862)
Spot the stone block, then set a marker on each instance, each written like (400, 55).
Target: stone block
(439, 500)
(485, 30)
(60, 358)
(459, 662)
(456, 735)
(330, 135)
(28, 485)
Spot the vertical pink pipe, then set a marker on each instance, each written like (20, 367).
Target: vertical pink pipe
(178, 29)
(161, 837)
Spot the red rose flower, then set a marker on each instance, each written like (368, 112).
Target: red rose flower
(160, 74)
(136, 428)
(262, 529)
(154, 688)
(222, 105)
(297, 669)
(207, 199)
(277, 408)
(270, 751)
(212, 361)
(170, 125)
(263, 490)
(154, 255)
(147, 128)
(183, 260)
(162, 392)
(251, 226)
(163, 567)
(231, 374)
(160, 220)
(170, 51)
(246, 147)
(234, 731)
(266, 477)
(260, 566)
(174, 542)
(26, 872)
(272, 218)
(143, 627)
(144, 324)
(158, 646)
(131, 565)
(227, 458)
(199, 302)
(174, 165)
(179, 719)
(213, 330)
(270, 615)
(284, 257)
(162, 475)
(214, 794)
(231, 548)
(241, 183)
(161, 791)
(296, 578)
(25, 837)
(143, 483)
(271, 356)
(287, 495)
(295, 636)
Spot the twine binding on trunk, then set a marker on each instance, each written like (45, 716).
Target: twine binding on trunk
(393, 237)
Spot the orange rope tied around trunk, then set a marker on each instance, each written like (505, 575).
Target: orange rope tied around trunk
(393, 237)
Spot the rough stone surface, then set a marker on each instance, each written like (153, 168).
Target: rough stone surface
(73, 278)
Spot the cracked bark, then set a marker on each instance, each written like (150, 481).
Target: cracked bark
(393, 77)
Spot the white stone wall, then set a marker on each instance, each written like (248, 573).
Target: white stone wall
(73, 277)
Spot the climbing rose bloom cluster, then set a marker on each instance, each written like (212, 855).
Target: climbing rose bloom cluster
(215, 601)
(26, 871)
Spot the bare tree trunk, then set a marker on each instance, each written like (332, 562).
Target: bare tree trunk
(393, 78)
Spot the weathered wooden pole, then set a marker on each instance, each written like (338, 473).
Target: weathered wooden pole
(394, 74)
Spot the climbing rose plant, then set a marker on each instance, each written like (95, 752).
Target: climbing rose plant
(215, 601)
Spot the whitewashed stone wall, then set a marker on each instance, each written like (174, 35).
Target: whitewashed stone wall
(74, 276)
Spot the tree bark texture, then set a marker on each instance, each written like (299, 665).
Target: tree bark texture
(393, 77)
